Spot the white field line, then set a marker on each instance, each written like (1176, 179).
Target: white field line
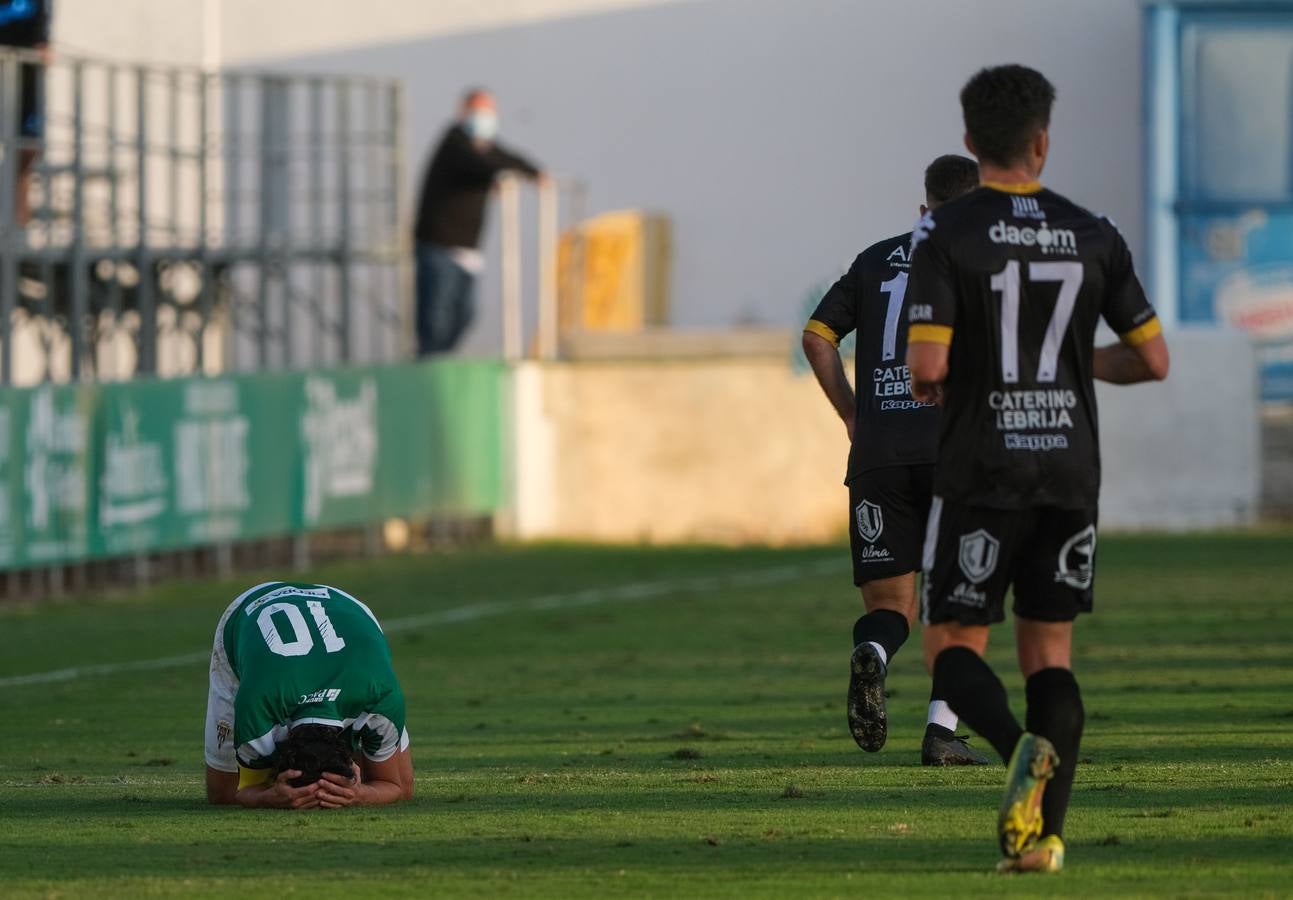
(626, 593)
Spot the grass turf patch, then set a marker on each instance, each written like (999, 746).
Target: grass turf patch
(663, 722)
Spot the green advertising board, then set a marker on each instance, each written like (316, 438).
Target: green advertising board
(91, 471)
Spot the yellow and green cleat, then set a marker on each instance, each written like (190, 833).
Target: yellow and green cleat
(1047, 855)
(1020, 823)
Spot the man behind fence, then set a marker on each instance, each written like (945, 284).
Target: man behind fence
(450, 217)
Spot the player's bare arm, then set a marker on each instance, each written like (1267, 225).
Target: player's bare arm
(372, 784)
(927, 362)
(1126, 363)
(824, 358)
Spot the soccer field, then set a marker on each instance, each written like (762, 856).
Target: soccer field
(670, 722)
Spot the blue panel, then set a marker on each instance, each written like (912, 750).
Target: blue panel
(1234, 211)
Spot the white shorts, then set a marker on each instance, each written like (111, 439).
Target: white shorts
(224, 687)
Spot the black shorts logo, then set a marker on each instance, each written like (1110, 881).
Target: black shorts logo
(870, 521)
(1076, 565)
(978, 555)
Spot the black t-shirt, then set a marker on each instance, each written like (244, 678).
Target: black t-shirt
(1015, 283)
(451, 210)
(891, 428)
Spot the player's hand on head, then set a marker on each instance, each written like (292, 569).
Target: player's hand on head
(336, 791)
(284, 796)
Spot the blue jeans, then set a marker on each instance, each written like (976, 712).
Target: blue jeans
(446, 299)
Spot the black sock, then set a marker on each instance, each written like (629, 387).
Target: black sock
(1055, 712)
(977, 696)
(885, 627)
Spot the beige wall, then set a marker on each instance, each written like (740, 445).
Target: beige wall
(732, 451)
(745, 450)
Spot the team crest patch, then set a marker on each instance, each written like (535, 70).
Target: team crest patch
(1076, 565)
(870, 521)
(978, 556)
(223, 732)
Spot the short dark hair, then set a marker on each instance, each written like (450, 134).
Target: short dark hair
(950, 176)
(313, 750)
(1004, 108)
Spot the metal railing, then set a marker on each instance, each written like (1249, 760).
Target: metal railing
(189, 221)
(550, 194)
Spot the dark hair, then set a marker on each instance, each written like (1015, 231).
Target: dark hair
(313, 750)
(1004, 108)
(949, 177)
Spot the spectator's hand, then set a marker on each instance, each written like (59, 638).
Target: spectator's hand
(543, 179)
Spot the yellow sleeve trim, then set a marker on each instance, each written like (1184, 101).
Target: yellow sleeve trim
(930, 334)
(822, 330)
(1142, 333)
(1030, 187)
(252, 777)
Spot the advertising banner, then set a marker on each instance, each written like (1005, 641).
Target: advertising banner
(91, 471)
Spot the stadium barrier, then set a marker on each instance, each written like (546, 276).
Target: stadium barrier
(91, 471)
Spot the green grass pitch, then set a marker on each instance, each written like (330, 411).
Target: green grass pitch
(664, 722)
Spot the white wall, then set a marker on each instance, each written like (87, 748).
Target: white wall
(782, 135)
(1185, 453)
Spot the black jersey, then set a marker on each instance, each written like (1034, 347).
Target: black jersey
(891, 428)
(1015, 282)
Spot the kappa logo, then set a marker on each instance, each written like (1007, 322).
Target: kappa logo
(1076, 565)
(224, 731)
(1026, 208)
(870, 521)
(978, 556)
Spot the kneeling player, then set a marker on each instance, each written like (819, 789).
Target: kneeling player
(890, 469)
(304, 709)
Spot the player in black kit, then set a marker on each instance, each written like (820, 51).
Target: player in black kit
(1007, 286)
(890, 467)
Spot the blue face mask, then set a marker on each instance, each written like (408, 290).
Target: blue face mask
(481, 125)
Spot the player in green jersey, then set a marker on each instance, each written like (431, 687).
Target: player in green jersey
(304, 709)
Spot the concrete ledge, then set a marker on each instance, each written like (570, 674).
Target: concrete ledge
(665, 343)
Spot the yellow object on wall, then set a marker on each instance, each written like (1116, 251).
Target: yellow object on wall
(613, 272)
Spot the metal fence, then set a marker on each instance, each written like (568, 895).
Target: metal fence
(187, 221)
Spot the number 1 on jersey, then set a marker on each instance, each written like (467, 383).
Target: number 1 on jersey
(1006, 283)
(896, 288)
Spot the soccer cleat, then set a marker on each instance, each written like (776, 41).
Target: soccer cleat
(867, 721)
(936, 750)
(1047, 855)
(1020, 823)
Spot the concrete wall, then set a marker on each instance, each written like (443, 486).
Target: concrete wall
(1185, 453)
(746, 450)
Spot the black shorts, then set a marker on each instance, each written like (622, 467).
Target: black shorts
(974, 554)
(887, 512)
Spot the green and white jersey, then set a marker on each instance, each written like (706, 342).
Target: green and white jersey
(309, 654)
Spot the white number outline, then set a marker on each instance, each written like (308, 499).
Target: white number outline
(1006, 282)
